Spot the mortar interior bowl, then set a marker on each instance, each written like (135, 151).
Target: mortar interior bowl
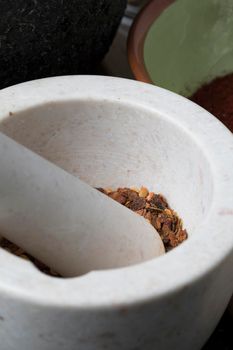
(115, 132)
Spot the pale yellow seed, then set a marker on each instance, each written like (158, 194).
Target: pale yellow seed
(150, 196)
(25, 257)
(143, 192)
(108, 190)
(136, 189)
(167, 211)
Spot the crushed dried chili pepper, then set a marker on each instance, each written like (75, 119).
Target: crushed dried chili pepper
(155, 209)
(151, 206)
(14, 249)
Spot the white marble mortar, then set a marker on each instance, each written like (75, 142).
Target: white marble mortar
(116, 132)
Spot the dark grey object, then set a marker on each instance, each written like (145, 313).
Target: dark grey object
(40, 38)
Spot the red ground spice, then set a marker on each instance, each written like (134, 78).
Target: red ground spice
(217, 98)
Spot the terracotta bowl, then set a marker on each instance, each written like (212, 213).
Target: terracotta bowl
(137, 35)
(180, 45)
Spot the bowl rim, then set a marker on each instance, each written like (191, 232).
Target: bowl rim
(137, 35)
(152, 280)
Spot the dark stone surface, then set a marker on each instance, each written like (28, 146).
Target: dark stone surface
(222, 338)
(40, 38)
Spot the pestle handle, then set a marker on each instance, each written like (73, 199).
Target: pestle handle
(64, 222)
